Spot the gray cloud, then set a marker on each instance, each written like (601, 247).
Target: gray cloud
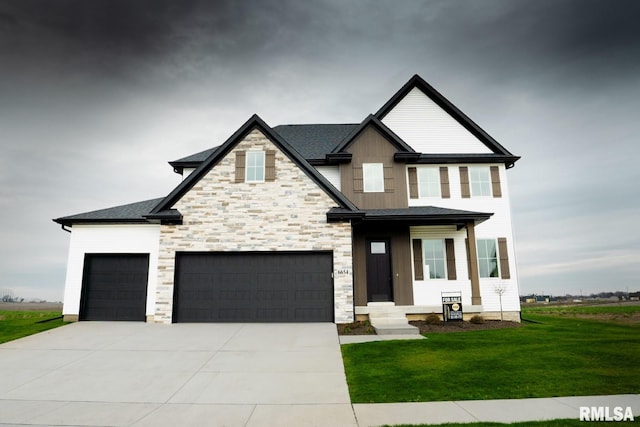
(98, 95)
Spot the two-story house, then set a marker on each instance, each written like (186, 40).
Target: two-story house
(319, 222)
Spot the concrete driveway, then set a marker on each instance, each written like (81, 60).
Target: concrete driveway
(138, 374)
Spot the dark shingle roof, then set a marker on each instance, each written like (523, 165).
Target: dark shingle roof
(314, 141)
(130, 213)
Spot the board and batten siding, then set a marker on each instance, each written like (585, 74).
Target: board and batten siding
(106, 239)
(426, 127)
(331, 173)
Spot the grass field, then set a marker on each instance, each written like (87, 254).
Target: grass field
(18, 324)
(558, 356)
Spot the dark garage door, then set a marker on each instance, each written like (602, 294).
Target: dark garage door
(254, 287)
(114, 287)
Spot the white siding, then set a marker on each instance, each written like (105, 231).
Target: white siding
(109, 239)
(332, 173)
(498, 225)
(429, 129)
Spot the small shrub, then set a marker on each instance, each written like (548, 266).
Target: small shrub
(477, 320)
(433, 319)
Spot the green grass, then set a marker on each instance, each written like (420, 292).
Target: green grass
(557, 357)
(18, 324)
(548, 423)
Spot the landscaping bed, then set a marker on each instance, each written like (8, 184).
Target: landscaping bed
(365, 328)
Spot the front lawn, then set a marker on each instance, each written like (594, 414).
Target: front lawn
(557, 357)
(18, 324)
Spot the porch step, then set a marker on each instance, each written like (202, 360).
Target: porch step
(387, 319)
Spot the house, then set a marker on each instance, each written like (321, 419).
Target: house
(311, 223)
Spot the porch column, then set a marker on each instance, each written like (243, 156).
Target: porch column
(474, 274)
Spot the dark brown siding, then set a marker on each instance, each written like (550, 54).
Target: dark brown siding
(413, 183)
(504, 258)
(371, 147)
(451, 259)
(400, 262)
(270, 166)
(495, 181)
(417, 259)
(240, 165)
(444, 182)
(464, 182)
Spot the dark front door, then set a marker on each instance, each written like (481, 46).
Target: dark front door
(379, 286)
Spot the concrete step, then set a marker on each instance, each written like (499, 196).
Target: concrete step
(405, 329)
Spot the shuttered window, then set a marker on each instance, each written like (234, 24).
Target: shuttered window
(417, 259)
(433, 257)
(240, 165)
(373, 177)
(451, 259)
(429, 182)
(413, 183)
(504, 258)
(487, 258)
(464, 182)
(495, 181)
(444, 182)
(255, 166)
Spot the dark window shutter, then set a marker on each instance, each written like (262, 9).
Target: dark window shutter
(451, 259)
(240, 165)
(466, 245)
(504, 258)
(464, 182)
(417, 259)
(387, 172)
(270, 165)
(358, 182)
(444, 182)
(495, 181)
(413, 183)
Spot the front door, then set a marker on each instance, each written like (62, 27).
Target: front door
(379, 283)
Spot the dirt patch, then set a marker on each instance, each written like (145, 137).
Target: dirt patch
(31, 306)
(365, 328)
(625, 319)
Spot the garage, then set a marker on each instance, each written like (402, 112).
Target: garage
(253, 287)
(114, 287)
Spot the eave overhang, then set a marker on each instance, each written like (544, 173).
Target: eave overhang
(428, 215)
(166, 217)
(430, 159)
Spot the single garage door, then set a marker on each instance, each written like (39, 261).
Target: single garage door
(254, 287)
(114, 287)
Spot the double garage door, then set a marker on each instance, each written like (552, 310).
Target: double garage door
(215, 287)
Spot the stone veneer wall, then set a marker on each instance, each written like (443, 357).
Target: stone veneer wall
(287, 214)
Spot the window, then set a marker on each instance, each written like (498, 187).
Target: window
(373, 177)
(480, 181)
(429, 182)
(378, 248)
(434, 259)
(487, 258)
(255, 166)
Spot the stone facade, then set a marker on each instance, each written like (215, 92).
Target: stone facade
(288, 214)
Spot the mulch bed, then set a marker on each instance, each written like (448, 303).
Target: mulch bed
(365, 328)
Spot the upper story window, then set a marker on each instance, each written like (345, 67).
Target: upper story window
(373, 177)
(255, 166)
(429, 182)
(480, 181)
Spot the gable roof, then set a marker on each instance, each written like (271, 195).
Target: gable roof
(418, 82)
(255, 122)
(132, 213)
(372, 120)
(314, 141)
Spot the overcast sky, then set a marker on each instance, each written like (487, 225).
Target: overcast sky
(97, 96)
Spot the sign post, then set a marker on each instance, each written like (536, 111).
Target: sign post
(452, 306)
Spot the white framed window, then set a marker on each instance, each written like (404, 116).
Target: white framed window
(429, 182)
(487, 258)
(373, 177)
(255, 166)
(480, 181)
(433, 256)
